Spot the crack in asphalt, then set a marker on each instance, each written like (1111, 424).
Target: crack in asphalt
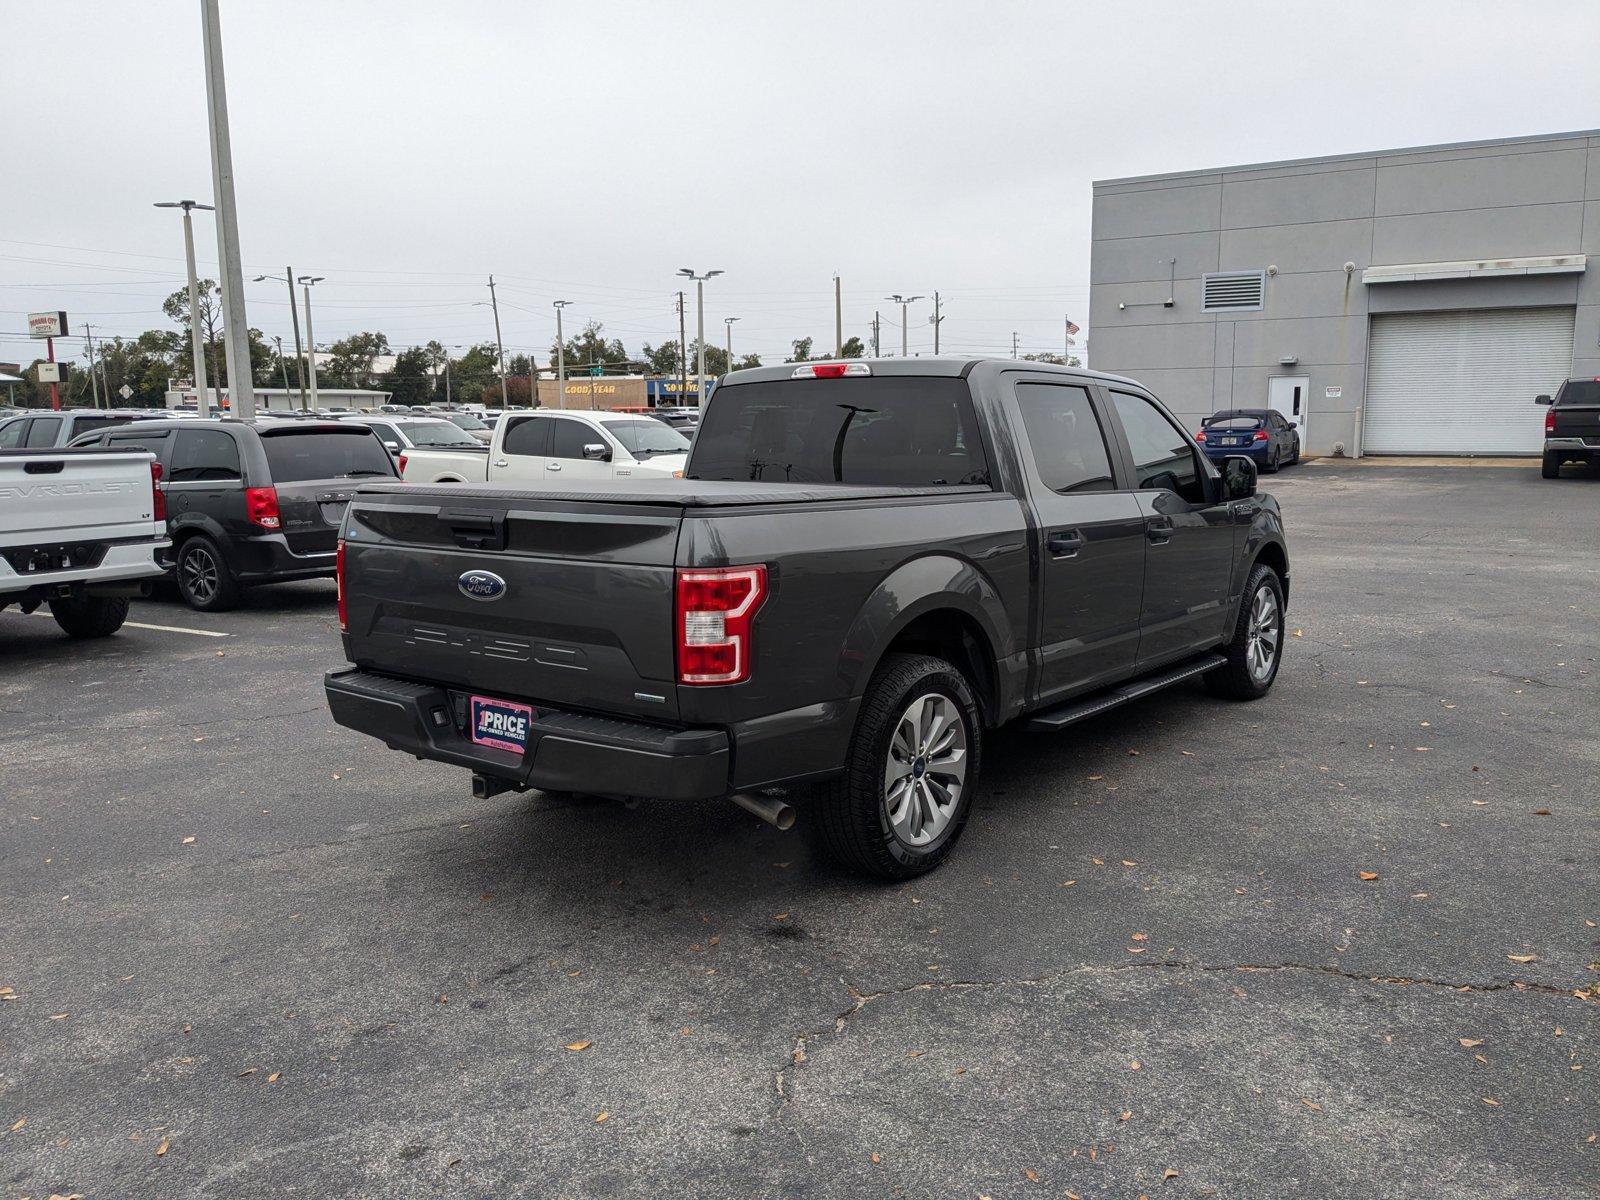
(860, 1000)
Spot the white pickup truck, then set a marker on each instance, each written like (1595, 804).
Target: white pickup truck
(546, 448)
(80, 530)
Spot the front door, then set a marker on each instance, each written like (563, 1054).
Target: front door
(1091, 542)
(1288, 394)
(1188, 535)
(566, 463)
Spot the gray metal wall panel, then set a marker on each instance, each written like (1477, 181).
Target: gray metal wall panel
(1125, 260)
(1308, 246)
(1163, 210)
(1501, 181)
(1524, 231)
(1323, 196)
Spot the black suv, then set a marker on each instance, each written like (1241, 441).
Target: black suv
(254, 501)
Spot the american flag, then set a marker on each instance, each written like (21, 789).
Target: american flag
(1071, 328)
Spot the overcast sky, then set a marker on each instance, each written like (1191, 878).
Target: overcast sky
(585, 151)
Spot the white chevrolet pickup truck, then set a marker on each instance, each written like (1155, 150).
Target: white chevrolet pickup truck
(80, 530)
(546, 448)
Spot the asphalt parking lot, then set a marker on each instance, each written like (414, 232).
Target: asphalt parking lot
(247, 953)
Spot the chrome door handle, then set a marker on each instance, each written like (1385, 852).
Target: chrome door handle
(500, 462)
(552, 466)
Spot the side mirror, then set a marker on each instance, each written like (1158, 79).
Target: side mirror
(597, 452)
(1294, 424)
(1541, 400)
(1238, 477)
(392, 446)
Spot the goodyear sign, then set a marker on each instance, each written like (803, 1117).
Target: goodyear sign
(673, 389)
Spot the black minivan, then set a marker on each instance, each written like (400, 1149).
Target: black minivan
(254, 501)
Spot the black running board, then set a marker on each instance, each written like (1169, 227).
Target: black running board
(1078, 710)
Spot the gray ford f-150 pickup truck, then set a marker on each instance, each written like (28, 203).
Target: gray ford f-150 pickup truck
(866, 567)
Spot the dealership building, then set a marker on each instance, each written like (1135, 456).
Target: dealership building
(1394, 302)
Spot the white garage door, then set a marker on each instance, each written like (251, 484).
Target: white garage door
(1464, 382)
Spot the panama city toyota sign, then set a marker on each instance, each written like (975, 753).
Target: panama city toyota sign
(47, 324)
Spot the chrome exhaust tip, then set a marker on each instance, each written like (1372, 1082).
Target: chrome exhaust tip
(779, 814)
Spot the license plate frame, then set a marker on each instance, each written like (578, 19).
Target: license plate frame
(500, 724)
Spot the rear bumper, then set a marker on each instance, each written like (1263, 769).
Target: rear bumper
(1257, 451)
(1580, 444)
(566, 751)
(269, 558)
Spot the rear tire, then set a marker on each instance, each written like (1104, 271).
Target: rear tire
(911, 771)
(1550, 467)
(90, 616)
(1256, 647)
(204, 580)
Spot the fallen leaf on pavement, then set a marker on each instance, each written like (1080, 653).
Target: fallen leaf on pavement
(246, 1071)
(19, 1124)
(274, 1077)
(60, 1016)
(1169, 1173)
(1033, 1176)
(1311, 1104)
(875, 1157)
(1469, 1043)
(1541, 812)
(1523, 958)
(161, 1150)
(1099, 862)
(1068, 883)
(1125, 1115)
(780, 916)
(602, 1118)
(1140, 937)
(188, 841)
(1135, 1065)
(1491, 1102)
(579, 1045)
(1368, 876)
(1128, 862)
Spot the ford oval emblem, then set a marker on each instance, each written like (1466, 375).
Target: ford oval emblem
(481, 585)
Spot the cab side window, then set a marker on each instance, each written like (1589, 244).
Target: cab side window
(1162, 456)
(44, 431)
(1069, 447)
(528, 436)
(13, 432)
(570, 437)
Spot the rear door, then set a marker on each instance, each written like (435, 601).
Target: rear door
(1090, 540)
(1188, 533)
(523, 451)
(315, 470)
(45, 433)
(204, 479)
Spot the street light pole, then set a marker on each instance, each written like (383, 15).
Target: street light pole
(294, 318)
(728, 324)
(700, 328)
(197, 343)
(235, 326)
(94, 380)
(905, 303)
(561, 355)
(305, 282)
(283, 366)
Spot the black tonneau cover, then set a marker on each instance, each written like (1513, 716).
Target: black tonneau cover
(677, 493)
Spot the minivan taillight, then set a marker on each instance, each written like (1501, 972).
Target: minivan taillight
(1549, 423)
(338, 579)
(716, 609)
(261, 507)
(158, 494)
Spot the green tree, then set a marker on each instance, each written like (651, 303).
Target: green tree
(474, 371)
(853, 348)
(749, 360)
(146, 364)
(802, 350)
(591, 347)
(411, 380)
(176, 306)
(663, 359)
(354, 359)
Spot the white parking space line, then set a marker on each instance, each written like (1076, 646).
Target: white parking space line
(158, 628)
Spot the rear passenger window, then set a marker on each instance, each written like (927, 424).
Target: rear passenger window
(1069, 447)
(154, 442)
(528, 436)
(90, 424)
(43, 431)
(204, 455)
(1162, 456)
(12, 433)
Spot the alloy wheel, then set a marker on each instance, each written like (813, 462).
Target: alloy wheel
(1265, 635)
(198, 571)
(926, 769)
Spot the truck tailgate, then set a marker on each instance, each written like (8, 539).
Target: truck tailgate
(94, 495)
(571, 603)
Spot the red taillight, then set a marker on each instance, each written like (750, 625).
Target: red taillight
(1549, 421)
(158, 494)
(261, 507)
(1201, 436)
(338, 578)
(1261, 435)
(400, 465)
(716, 609)
(830, 370)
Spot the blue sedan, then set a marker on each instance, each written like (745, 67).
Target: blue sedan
(1263, 434)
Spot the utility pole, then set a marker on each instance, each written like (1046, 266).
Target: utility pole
(905, 303)
(294, 317)
(235, 326)
(306, 281)
(1013, 343)
(876, 324)
(500, 349)
(561, 357)
(683, 355)
(278, 342)
(727, 323)
(700, 328)
(196, 341)
(936, 320)
(838, 320)
(94, 380)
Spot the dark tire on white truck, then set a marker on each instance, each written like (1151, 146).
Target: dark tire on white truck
(89, 616)
(911, 772)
